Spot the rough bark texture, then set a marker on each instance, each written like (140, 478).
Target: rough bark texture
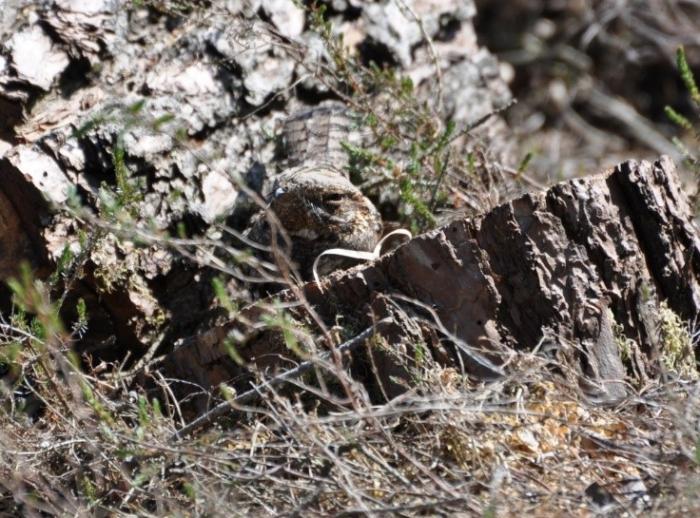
(79, 80)
(574, 271)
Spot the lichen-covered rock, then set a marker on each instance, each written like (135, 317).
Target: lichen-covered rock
(152, 117)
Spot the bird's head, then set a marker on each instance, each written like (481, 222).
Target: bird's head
(321, 204)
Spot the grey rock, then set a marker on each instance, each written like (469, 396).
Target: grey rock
(388, 25)
(286, 16)
(8, 16)
(401, 25)
(35, 59)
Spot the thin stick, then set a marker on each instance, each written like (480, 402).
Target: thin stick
(254, 393)
(431, 49)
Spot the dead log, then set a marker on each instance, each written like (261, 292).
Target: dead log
(578, 269)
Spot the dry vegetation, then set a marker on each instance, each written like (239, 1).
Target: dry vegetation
(530, 442)
(84, 438)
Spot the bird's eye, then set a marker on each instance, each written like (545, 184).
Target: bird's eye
(333, 199)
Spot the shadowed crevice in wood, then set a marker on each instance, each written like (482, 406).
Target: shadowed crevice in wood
(24, 213)
(663, 224)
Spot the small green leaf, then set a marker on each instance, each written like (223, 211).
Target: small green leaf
(687, 75)
(677, 118)
(163, 119)
(222, 295)
(181, 230)
(232, 351)
(136, 107)
(524, 163)
(406, 86)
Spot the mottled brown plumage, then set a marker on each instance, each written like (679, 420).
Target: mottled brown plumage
(319, 209)
(315, 136)
(313, 199)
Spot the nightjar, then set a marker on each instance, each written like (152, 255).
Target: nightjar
(319, 209)
(312, 197)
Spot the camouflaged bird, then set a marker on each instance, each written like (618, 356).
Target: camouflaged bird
(313, 198)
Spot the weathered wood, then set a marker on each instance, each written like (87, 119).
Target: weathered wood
(580, 266)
